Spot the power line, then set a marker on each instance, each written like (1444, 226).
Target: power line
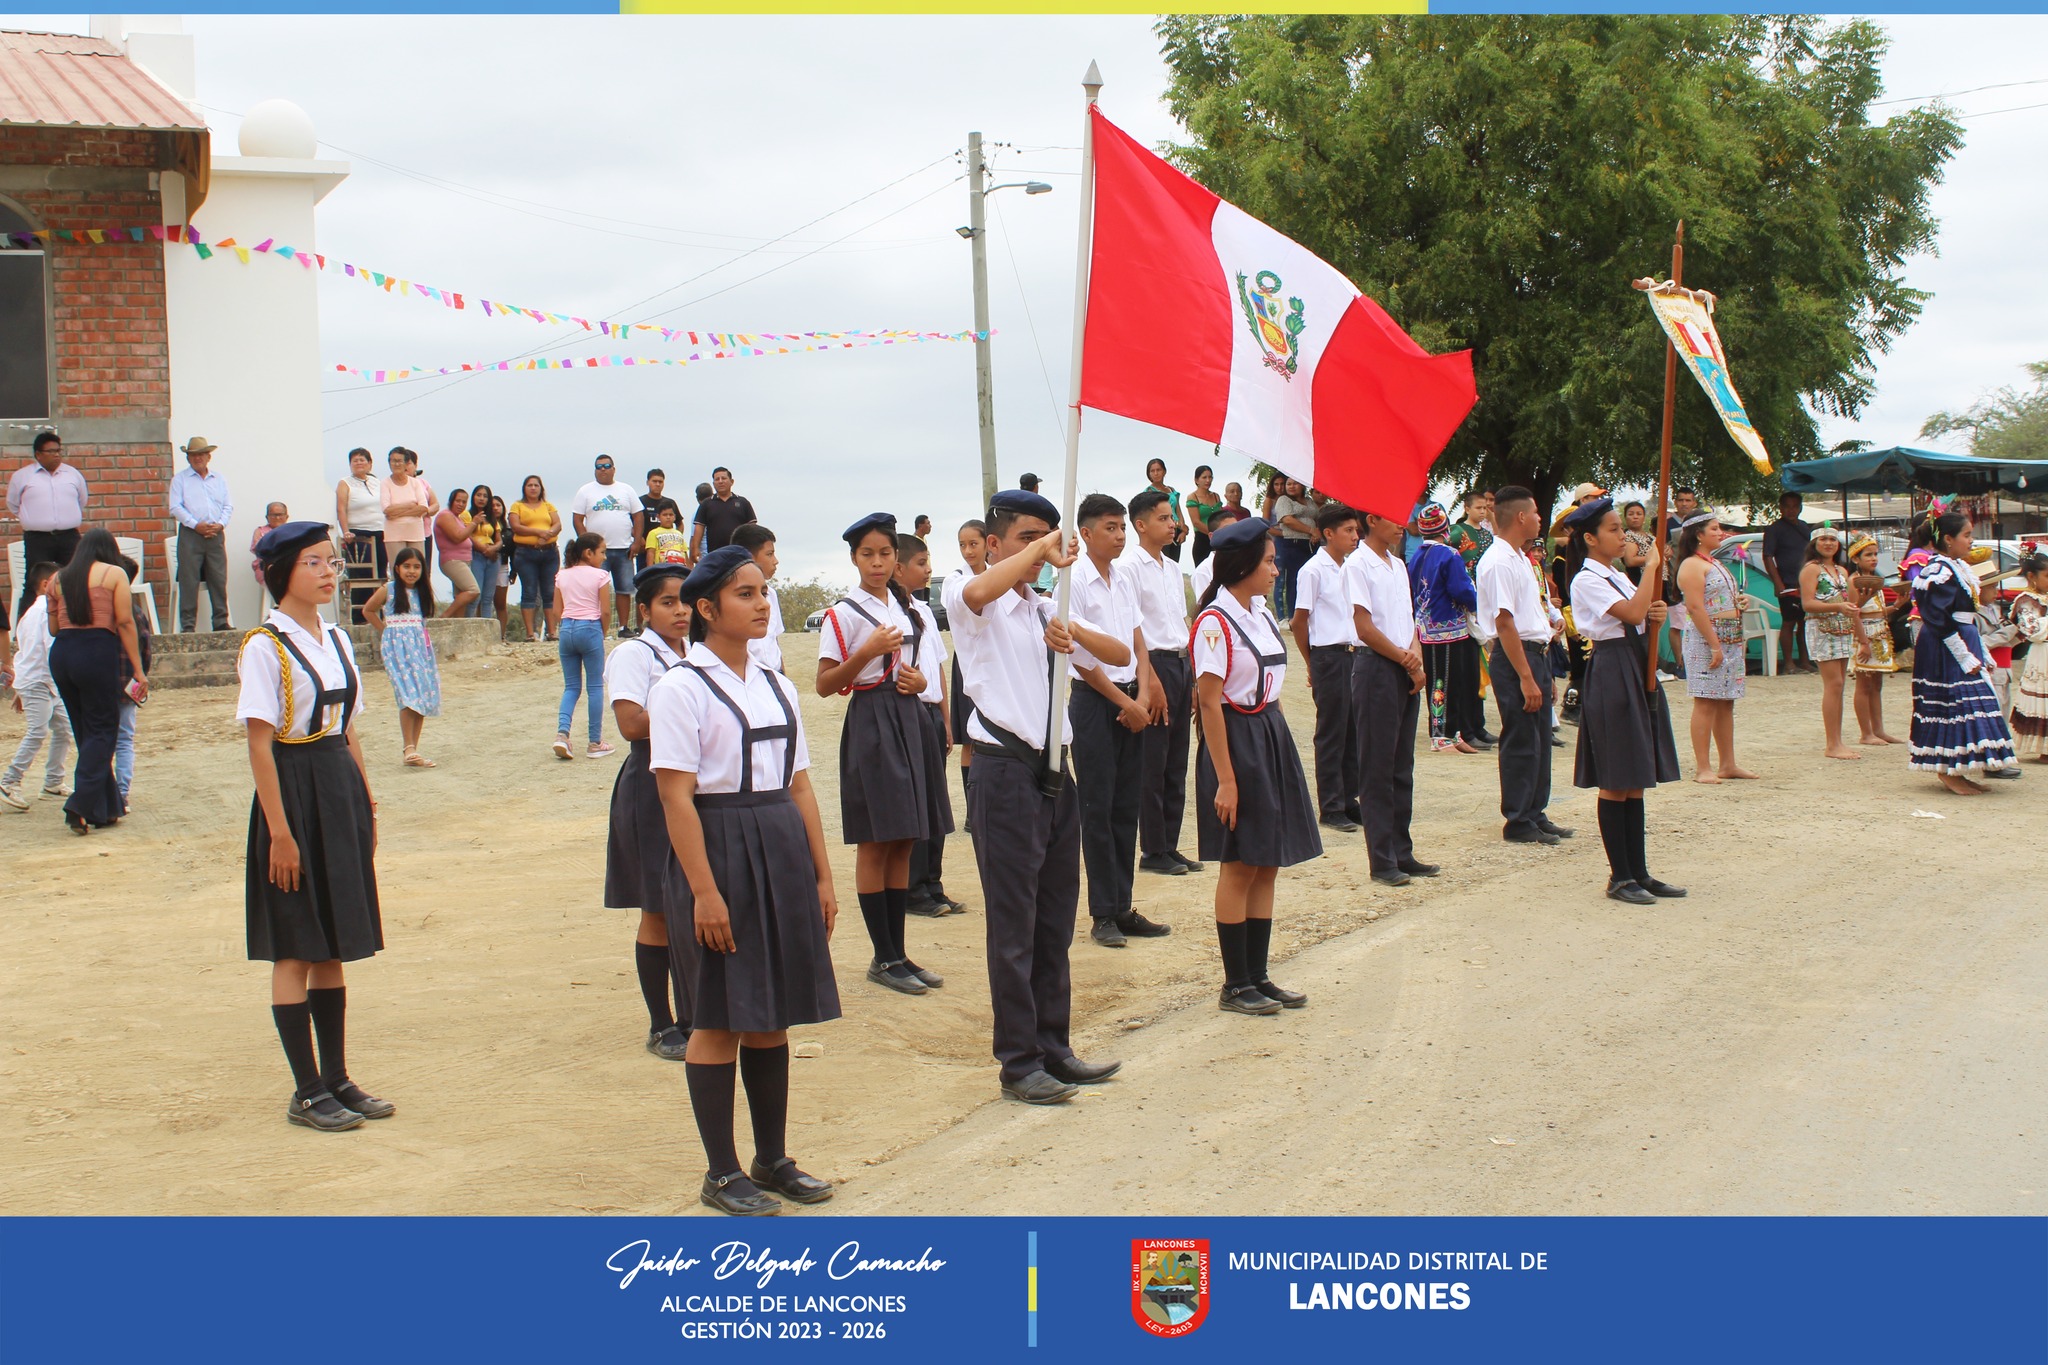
(1973, 90)
(1987, 113)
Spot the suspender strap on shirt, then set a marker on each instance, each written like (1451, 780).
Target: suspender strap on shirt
(324, 698)
(751, 734)
(895, 657)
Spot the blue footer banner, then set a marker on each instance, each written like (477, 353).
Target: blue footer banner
(535, 1289)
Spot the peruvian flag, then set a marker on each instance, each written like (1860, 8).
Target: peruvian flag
(1203, 320)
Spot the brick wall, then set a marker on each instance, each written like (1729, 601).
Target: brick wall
(109, 331)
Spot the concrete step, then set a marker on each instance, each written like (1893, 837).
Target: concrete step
(207, 658)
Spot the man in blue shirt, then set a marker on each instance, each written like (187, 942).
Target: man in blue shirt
(200, 502)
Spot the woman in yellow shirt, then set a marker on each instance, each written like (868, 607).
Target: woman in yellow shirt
(487, 552)
(535, 527)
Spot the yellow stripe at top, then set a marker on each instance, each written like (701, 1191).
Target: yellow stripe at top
(1020, 7)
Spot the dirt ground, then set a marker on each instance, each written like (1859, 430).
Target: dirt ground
(1846, 1016)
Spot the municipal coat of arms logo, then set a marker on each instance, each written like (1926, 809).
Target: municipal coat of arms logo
(1169, 1284)
(1275, 323)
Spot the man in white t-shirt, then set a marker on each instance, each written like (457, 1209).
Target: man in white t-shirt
(609, 509)
(1386, 692)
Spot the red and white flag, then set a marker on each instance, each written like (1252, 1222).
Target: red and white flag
(1203, 320)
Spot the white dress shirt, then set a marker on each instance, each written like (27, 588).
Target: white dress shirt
(834, 645)
(1204, 574)
(1379, 583)
(1595, 589)
(767, 651)
(1005, 666)
(931, 653)
(1220, 650)
(1113, 603)
(197, 498)
(1162, 598)
(262, 694)
(1319, 590)
(692, 731)
(45, 501)
(32, 647)
(1507, 582)
(630, 674)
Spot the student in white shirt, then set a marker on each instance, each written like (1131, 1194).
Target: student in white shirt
(637, 852)
(750, 899)
(35, 695)
(1163, 615)
(1514, 619)
(1386, 696)
(1022, 808)
(758, 541)
(311, 877)
(1327, 638)
(1110, 712)
(1252, 806)
(866, 651)
(928, 855)
(1625, 744)
(974, 558)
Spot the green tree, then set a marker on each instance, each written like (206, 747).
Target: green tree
(2006, 425)
(1497, 181)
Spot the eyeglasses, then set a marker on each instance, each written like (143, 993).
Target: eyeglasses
(604, 464)
(336, 565)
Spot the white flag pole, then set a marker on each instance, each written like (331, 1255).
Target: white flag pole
(1091, 85)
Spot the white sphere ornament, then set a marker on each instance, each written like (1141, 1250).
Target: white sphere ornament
(278, 128)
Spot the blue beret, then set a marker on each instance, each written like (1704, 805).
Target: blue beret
(289, 538)
(1019, 502)
(712, 571)
(661, 570)
(873, 521)
(1240, 533)
(1587, 514)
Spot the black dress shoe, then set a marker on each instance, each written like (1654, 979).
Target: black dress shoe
(895, 976)
(1393, 876)
(1040, 1087)
(352, 1096)
(1630, 892)
(786, 1180)
(1340, 824)
(1555, 742)
(1137, 926)
(1539, 835)
(669, 1044)
(738, 1196)
(1663, 891)
(1106, 933)
(1419, 869)
(1189, 863)
(1485, 741)
(1292, 1000)
(924, 905)
(322, 1111)
(1559, 830)
(1074, 1071)
(1247, 1000)
(1165, 864)
(931, 979)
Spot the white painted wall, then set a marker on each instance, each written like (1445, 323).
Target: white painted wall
(245, 349)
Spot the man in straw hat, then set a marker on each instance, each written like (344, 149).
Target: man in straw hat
(200, 502)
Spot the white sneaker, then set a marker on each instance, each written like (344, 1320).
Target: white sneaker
(12, 796)
(562, 747)
(601, 750)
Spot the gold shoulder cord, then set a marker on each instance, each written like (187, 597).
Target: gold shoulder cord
(284, 668)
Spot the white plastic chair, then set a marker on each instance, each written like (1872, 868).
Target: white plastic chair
(1757, 626)
(17, 569)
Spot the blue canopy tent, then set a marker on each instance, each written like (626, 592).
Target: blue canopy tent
(1902, 469)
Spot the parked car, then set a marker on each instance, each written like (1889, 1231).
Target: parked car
(815, 622)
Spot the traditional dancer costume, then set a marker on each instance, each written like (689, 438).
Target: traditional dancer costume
(1956, 725)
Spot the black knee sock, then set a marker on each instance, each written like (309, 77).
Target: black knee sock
(896, 900)
(329, 1005)
(1231, 940)
(874, 912)
(765, 1073)
(652, 961)
(1258, 939)
(711, 1099)
(1638, 839)
(1613, 838)
(295, 1031)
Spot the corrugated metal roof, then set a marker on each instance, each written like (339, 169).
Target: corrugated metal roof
(64, 80)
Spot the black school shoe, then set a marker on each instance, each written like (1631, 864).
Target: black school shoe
(1165, 864)
(1537, 835)
(1073, 1071)
(1292, 1000)
(1247, 1000)
(1543, 823)
(1663, 891)
(931, 979)
(1393, 876)
(924, 905)
(786, 1180)
(896, 976)
(1040, 1087)
(1630, 892)
(1419, 869)
(670, 1043)
(1137, 926)
(1106, 933)
(1189, 863)
(1343, 824)
(322, 1111)
(738, 1196)
(353, 1096)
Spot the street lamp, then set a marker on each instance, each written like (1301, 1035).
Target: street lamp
(976, 232)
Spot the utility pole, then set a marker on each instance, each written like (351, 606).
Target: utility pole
(984, 377)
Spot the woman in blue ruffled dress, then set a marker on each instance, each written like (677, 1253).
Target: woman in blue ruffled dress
(1958, 733)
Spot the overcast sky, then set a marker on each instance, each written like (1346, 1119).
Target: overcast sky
(646, 151)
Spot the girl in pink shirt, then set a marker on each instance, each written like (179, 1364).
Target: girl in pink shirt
(581, 588)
